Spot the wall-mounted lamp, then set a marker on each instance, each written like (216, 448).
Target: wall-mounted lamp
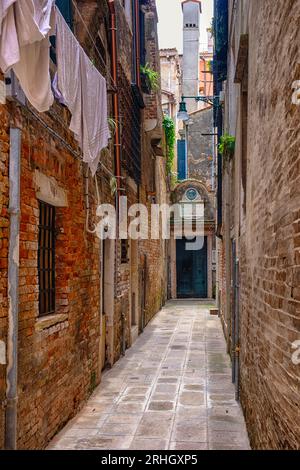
(182, 114)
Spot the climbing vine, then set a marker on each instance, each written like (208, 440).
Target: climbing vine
(169, 128)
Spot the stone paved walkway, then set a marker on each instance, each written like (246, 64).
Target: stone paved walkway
(172, 390)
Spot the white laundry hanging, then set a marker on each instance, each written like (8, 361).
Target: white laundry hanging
(84, 91)
(25, 26)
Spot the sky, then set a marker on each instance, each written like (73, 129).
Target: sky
(170, 23)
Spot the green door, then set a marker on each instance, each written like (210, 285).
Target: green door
(191, 271)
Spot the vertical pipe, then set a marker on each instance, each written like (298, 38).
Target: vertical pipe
(237, 330)
(114, 70)
(116, 114)
(13, 291)
(145, 293)
(137, 42)
(187, 169)
(123, 323)
(233, 309)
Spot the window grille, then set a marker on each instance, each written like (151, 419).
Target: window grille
(124, 251)
(46, 259)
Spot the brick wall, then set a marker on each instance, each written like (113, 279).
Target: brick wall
(268, 247)
(58, 362)
(4, 228)
(154, 189)
(58, 366)
(59, 359)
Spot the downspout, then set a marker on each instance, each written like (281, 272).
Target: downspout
(117, 145)
(13, 291)
(237, 330)
(137, 42)
(116, 113)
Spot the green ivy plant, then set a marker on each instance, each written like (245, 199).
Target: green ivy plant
(153, 77)
(227, 147)
(170, 133)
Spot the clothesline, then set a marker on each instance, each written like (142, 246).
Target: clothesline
(89, 115)
(77, 155)
(24, 47)
(94, 43)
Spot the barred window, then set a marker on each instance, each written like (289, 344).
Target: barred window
(46, 259)
(124, 251)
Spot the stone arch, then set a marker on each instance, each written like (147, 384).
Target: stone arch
(181, 189)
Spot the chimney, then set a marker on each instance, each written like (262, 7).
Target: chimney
(191, 47)
(210, 41)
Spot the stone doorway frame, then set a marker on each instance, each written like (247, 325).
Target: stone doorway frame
(107, 301)
(134, 310)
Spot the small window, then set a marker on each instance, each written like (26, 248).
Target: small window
(65, 7)
(46, 259)
(124, 251)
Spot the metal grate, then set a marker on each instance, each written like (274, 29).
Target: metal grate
(124, 251)
(46, 259)
(130, 117)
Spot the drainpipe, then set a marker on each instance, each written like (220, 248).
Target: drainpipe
(237, 330)
(13, 291)
(116, 111)
(137, 43)
(117, 145)
(123, 341)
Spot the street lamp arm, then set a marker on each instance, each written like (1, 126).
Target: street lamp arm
(212, 100)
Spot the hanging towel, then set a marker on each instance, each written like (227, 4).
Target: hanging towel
(95, 131)
(56, 92)
(84, 91)
(9, 44)
(4, 6)
(68, 72)
(24, 47)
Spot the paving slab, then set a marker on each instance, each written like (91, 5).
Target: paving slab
(172, 390)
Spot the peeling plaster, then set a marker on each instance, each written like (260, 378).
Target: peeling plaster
(48, 190)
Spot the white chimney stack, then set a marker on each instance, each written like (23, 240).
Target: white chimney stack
(191, 47)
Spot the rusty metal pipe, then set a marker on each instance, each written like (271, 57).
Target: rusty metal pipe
(137, 45)
(13, 291)
(116, 110)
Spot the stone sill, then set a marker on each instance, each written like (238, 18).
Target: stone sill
(46, 322)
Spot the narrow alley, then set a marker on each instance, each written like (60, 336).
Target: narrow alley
(172, 390)
(149, 226)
